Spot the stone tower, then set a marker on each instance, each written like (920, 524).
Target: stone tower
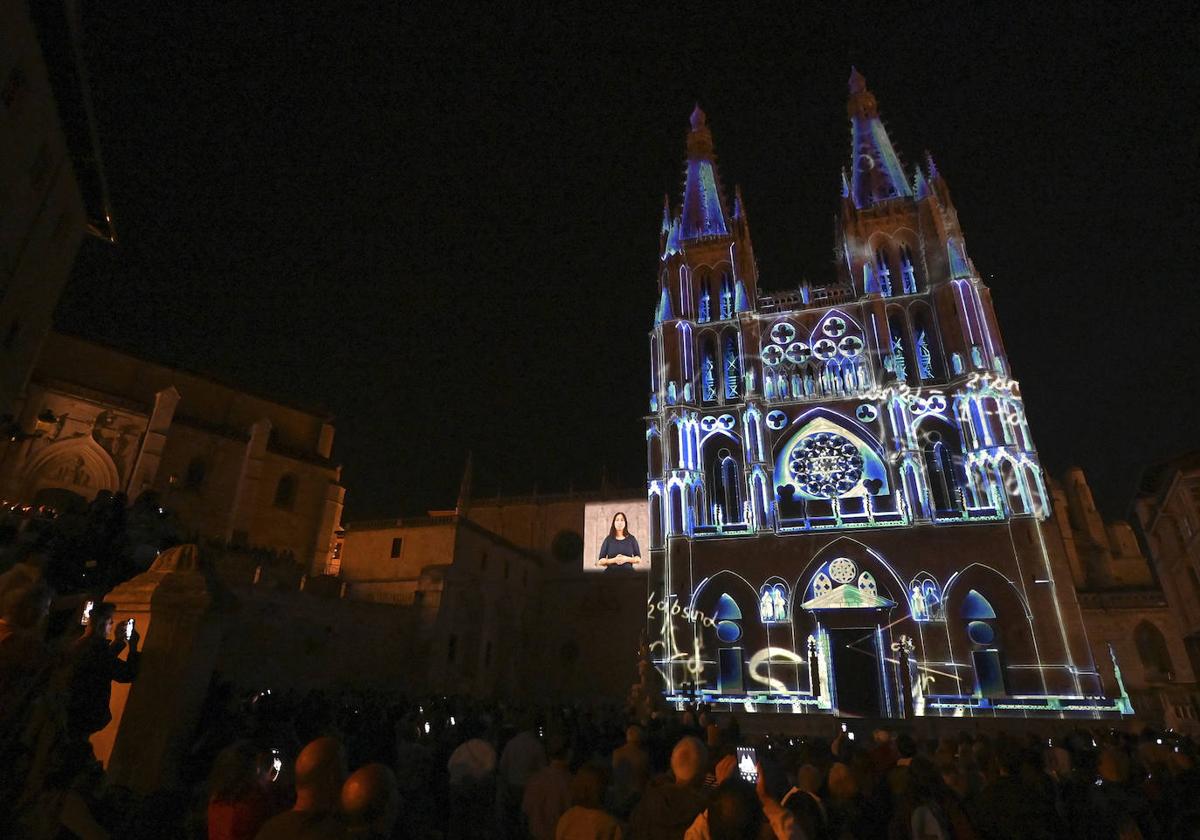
(847, 508)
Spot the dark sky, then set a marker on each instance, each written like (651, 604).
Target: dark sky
(443, 227)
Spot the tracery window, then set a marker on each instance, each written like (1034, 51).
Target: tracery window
(727, 296)
(733, 373)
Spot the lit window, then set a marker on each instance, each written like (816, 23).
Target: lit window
(397, 544)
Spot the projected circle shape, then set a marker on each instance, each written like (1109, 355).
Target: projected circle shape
(728, 631)
(980, 632)
(842, 570)
(826, 465)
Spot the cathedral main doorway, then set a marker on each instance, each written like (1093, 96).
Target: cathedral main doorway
(856, 671)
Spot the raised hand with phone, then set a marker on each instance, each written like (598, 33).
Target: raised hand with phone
(97, 665)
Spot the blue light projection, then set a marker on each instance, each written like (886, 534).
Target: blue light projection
(702, 213)
(831, 414)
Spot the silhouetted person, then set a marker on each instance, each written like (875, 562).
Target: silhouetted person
(735, 813)
(586, 819)
(24, 660)
(548, 792)
(320, 773)
(371, 803)
(238, 803)
(671, 802)
(631, 771)
(96, 666)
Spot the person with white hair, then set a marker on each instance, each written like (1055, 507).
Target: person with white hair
(672, 802)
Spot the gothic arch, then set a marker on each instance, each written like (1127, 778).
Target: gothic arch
(1152, 651)
(1012, 627)
(737, 633)
(867, 559)
(817, 420)
(924, 324)
(73, 464)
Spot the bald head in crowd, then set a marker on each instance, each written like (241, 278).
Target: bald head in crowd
(371, 801)
(320, 773)
(688, 760)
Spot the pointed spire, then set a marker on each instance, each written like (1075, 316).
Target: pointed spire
(666, 222)
(920, 185)
(703, 209)
(931, 166)
(464, 487)
(739, 211)
(845, 184)
(664, 308)
(875, 171)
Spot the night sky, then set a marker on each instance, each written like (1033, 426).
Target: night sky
(443, 228)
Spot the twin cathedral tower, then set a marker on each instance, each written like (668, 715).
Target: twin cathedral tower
(847, 510)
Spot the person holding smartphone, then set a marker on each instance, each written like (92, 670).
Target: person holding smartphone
(95, 665)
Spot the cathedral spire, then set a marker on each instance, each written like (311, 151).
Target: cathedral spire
(875, 171)
(463, 507)
(703, 209)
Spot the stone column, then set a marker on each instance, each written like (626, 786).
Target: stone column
(245, 495)
(145, 468)
(180, 612)
(331, 518)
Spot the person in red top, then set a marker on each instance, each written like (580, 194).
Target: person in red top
(238, 801)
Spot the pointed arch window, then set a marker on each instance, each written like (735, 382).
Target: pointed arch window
(708, 372)
(727, 496)
(907, 273)
(902, 362)
(732, 366)
(727, 296)
(1152, 650)
(685, 349)
(705, 303)
(883, 273)
(943, 478)
(773, 603)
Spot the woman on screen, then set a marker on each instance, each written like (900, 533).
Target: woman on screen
(620, 548)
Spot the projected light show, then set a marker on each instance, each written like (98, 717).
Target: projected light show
(847, 512)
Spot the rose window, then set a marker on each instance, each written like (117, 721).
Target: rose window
(826, 465)
(842, 570)
(782, 332)
(825, 349)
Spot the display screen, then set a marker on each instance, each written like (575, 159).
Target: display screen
(626, 551)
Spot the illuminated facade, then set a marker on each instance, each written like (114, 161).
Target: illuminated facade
(848, 514)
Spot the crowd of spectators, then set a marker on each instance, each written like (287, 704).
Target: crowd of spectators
(349, 763)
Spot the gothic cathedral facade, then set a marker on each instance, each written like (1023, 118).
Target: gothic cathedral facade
(847, 511)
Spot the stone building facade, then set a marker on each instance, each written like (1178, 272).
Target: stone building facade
(498, 599)
(235, 467)
(848, 512)
(1133, 627)
(42, 215)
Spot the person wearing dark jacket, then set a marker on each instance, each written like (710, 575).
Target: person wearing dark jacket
(672, 802)
(96, 666)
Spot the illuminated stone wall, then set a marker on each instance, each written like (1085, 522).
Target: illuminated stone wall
(848, 511)
(232, 465)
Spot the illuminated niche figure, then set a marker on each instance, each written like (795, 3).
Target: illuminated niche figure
(620, 548)
(773, 603)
